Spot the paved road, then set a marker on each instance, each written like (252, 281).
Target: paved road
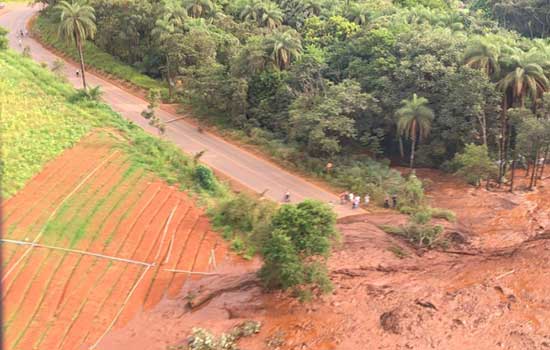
(234, 162)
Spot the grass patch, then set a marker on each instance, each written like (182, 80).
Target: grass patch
(398, 251)
(44, 27)
(439, 213)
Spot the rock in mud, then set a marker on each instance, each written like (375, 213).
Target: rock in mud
(390, 322)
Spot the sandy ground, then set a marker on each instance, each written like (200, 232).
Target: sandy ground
(492, 293)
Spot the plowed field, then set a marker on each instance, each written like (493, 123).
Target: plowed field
(92, 199)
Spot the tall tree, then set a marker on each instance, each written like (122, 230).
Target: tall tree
(484, 56)
(272, 16)
(414, 121)
(283, 47)
(522, 79)
(166, 28)
(198, 8)
(76, 24)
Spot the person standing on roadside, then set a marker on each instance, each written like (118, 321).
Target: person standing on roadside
(394, 201)
(287, 196)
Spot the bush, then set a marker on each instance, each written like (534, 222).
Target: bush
(205, 177)
(282, 267)
(438, 213)
(475, 164)
(411, 192)
(422, 217)
(295, 252)
(310, 225)
(423, 235)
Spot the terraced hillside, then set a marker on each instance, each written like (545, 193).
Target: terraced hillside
(92, 233)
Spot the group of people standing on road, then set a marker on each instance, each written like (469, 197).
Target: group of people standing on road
(355, 200)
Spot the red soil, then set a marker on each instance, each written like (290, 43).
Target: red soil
(52, 193)
(97, 188)
(490, 293)
(188, 255)
(58, 300)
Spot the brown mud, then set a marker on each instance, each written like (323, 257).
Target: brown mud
(489, 290)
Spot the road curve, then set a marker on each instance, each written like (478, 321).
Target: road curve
(226, 158)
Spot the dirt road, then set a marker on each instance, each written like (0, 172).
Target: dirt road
(235, 163)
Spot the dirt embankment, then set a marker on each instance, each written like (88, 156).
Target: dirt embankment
(494, 295)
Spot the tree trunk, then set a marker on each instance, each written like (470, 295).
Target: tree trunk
(412, 151)
(413, 145)
(401, 151)
(483, 126)
(169, 79)
(81, 56)
(502, 144)
(513, 175)
(534, 171)
(544, 163)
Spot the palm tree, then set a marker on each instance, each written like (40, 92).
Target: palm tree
(357, 14)
(252, 11)
(484, 56)
(198, 8)
(272, 16)
(414, 121)
(523, 78)
(76, 24)
(283, 47)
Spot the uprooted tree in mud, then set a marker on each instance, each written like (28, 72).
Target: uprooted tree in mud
(297, 247)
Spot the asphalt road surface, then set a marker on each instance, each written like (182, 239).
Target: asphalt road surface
(237, 164)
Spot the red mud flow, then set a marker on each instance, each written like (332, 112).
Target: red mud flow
(491, 292)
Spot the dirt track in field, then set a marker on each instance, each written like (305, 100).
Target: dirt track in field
(61, 300)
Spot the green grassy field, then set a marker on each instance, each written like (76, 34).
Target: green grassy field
(39, 122)
(44, 28)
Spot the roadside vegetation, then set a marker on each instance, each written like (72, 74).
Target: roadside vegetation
(42, 116)
(45, 28)
(345, 83)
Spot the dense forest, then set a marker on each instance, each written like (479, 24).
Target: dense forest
(345, 82)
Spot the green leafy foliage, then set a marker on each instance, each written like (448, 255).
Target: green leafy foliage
(3, 38)
(205, 177)
(474, 164)
(44, 27)
(295, 251)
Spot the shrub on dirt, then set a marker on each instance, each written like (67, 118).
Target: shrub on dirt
(439, 213)
(296, 250)
(420, 235)
(411, 192)
(423, 235)
(422, 217)
(474, 164)
(245, 218)
(205, 177)
(202, 339)
(282, 268)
